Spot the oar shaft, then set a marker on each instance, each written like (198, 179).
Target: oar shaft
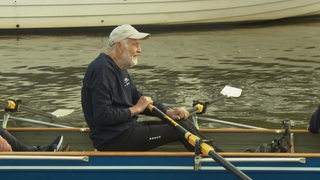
(229, 123)
(216, 100)
(6, 103)
(198, 108)
(228, 166)
(40, 122)
(36, 111)
(206, 149)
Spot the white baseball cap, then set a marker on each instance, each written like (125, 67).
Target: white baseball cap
(126, 31)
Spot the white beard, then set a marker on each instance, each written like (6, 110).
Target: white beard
(134, 61)
(129, 61)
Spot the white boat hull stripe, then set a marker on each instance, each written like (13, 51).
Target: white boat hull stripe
(174, 168)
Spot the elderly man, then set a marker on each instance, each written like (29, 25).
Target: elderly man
(111, 102)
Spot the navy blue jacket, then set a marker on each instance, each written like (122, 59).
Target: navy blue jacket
(106, 95)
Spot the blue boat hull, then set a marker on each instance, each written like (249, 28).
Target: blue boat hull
(159, 166)
(80, 161)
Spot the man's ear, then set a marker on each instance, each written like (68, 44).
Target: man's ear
(119, 46)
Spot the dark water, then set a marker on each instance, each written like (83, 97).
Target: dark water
(276, 65)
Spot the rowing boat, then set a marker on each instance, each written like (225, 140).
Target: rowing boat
(26, 14)
(80, 160)
(282, 153)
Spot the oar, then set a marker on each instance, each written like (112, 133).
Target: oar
(40, 122)
(14, 105)
(227, 91)
(206, 149)
(229, 123)
(200, 107)
(57, 113)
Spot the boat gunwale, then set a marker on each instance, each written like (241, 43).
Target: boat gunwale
(156, 154)
(206, 130)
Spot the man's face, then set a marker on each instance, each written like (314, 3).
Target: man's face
(130, 51)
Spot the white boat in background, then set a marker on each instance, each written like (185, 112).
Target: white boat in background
(24, 14)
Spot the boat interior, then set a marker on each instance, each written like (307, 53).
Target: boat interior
(229, 140)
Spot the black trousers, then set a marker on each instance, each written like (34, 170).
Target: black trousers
(16, 145)
(147, 135)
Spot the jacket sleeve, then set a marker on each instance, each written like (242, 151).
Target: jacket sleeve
(137, 94)
(314, 123)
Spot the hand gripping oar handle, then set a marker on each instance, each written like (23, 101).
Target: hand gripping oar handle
(206, 149)
(227, 91)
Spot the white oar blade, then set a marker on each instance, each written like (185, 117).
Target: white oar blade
(231, 91)
(62, 112)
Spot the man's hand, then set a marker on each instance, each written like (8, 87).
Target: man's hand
(4, 145)
(178, 114)
(141, 105)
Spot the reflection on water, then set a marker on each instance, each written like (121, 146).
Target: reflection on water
(276, 66)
